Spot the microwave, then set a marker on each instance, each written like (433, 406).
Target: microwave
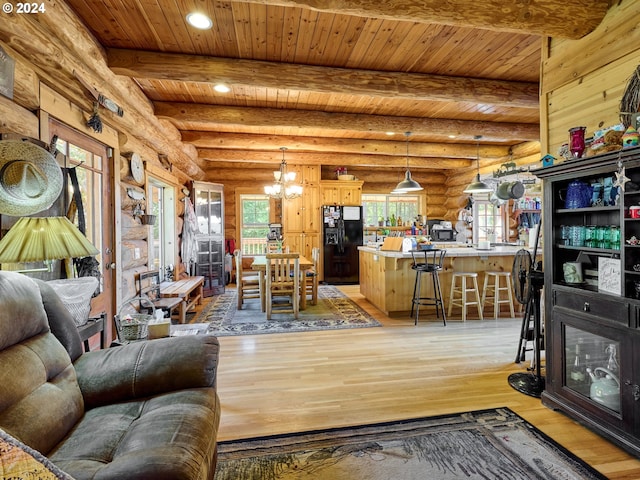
(443, 235)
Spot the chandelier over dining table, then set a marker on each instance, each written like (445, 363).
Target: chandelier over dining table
(283, 185)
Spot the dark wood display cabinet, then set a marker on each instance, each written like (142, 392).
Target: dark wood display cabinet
(592, 291)
(208, 201)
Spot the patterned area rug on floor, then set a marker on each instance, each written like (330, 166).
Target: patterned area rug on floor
(489, 444)
(333, 311)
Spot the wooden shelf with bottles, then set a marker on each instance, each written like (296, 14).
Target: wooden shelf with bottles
(371, 228)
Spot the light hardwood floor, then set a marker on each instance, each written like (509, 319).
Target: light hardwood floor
(279, 383)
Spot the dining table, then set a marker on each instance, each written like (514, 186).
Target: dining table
(259, 264)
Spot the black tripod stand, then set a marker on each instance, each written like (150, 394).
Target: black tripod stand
(532, 382)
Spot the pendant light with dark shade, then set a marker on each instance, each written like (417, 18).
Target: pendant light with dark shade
(478, 186)
(408, 184)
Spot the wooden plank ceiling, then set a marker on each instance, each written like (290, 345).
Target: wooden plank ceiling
(331, 80)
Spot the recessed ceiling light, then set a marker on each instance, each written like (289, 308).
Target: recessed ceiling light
(221, 88)
(452, 136)
(199, 20)
(390, 133)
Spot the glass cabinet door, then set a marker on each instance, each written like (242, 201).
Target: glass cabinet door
(592, 367)
(209, 208)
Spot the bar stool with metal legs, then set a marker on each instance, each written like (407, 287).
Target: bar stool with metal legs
(428, 262)
(463, 290)
(492, 289)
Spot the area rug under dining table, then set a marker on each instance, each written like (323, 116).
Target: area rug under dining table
(333, 311)
(491, 444)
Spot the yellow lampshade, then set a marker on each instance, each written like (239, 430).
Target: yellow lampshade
(34, 239)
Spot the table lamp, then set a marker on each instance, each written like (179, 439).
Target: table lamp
(35, 239)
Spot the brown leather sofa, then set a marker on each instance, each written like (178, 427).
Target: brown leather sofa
(147, 410)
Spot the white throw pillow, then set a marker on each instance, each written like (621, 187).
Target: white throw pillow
(76, 294)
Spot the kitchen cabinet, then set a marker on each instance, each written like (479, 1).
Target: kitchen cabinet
(592, 327)
(301, 216)
(208, 201)
(338, 192)
(302, 242)
(306, 174)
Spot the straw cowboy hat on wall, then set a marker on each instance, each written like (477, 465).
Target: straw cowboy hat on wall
(30, 178)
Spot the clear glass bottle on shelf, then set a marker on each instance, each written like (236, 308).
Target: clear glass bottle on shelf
(578, 372)
(615, 237)
(579, 347)
(590, 239)
(612, 362)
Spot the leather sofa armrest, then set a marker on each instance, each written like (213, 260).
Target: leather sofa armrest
(147, 368)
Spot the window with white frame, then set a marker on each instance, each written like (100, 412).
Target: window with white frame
(488, 222)
(254, 212)
(382, 207)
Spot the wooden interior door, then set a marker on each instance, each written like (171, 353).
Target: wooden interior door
(93, 162)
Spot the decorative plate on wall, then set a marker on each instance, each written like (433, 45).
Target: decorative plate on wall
(137, 167)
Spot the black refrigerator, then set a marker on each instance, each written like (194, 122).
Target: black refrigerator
(341, 236)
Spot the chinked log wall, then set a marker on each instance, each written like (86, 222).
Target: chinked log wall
(59, 50)
(46, 59)
(134, 235)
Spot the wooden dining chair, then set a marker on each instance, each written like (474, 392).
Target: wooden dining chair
(312, 276)
(247, 282)
(282, 281)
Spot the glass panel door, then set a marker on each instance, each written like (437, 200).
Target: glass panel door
(92, 162)
(592, 367)
(208, 204)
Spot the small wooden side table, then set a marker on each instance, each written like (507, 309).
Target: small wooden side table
(93, 327)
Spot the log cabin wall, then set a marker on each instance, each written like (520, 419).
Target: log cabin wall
(442, 197)
(134, 235)
(46, 82)
(252, 180)
(582, 81)
(51, 60)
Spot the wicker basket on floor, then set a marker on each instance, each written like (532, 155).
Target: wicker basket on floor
(134, 326)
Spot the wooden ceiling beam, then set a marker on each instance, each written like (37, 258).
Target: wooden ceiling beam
(192, 116)
(284, 76)
(554, 18)
(313, 158)
(242, 141)
(62, 50)
(226, 173)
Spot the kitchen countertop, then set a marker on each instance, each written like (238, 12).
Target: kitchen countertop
(457, 250)
(387, 279)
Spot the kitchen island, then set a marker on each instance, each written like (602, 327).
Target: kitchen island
(387, 280)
